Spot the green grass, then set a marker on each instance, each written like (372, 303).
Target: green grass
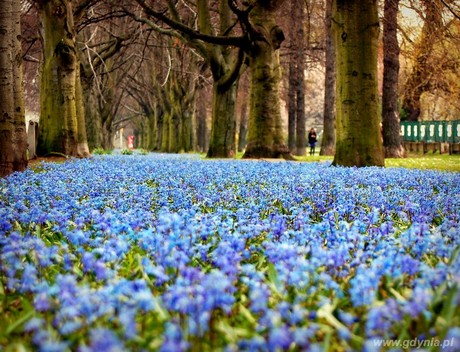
(442, 162)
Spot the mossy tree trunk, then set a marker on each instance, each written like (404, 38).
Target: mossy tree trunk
(93, 122)
(82, 146)
(292, 77)
(225, 72)
(328, 139)
(356, 31)
(243, 130)
(222, 142)
(301, 133)
(13, 138)
(151, 128)
(201, 117)
(390, 113)
(265, 133)
(58, 129)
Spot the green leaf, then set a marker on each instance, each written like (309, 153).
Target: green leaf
(246, 313)
(273, 279)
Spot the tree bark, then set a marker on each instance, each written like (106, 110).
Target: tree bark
(356, 31)
(202, 129)
(328, 139)
(243, 130)
(13, 137)
(222, 142)
(392, 141)
(265, 134)
(82, 141)
(292, 81)
(301, 140)
(58, 86)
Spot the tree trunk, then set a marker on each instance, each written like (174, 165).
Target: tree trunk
(328, 139)
(243, 127)
(13, 137)
(165, 146)
(93, 123)
(301, 140)
(202, 130)
(292, 89)
(390, 115)
(265, 134)
(82, 146)
(356, 31)
(152, 125)
(222, 142)
(59, 74)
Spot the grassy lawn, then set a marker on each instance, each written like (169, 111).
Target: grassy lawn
(442, 162)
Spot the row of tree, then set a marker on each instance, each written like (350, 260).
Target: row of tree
(162, 65)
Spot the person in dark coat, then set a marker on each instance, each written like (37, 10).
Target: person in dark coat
(312, 141)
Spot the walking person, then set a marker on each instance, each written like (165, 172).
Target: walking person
(312, 140)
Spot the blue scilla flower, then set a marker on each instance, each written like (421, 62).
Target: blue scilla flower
(347, 318)
(70, 327)
(418, 303)
(77, 237)
(101, 271)
(174, 341)
(156, 271)
(218, 291)
(52, 345)
(279, 338)
(303, 335)
(29, 278)
(42, 302)
(256, 343)
(226, 258)
(127, 319)
(88, 261)
(103, 340)
(259, 295)
(363, 286)
(381, 318)
(34, 324)
(451, 342)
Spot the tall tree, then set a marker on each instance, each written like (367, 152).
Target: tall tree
(296, 94)
(301, 141)
(328, 140)
(225, 70)
(392, 141)
(356, 31)
(13, 139)
(265, 133)
(61, 127)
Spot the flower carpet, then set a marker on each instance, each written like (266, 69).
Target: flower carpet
(175, 253)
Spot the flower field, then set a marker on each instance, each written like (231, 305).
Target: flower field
(173, 253)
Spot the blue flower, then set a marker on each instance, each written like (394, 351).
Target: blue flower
(104, 340)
